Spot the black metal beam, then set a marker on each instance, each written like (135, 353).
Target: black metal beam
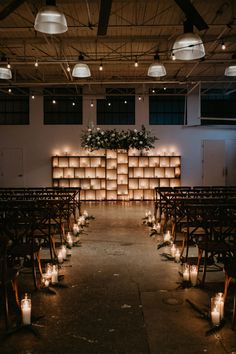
(10, 8)
(192, 14)
(104, 14)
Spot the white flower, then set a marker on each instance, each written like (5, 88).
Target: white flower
(135, 130)
(113, 135)
(89, 130)
(102, 133)
(140, 142)
(98, 128)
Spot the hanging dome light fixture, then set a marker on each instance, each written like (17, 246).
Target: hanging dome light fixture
(50, 20)
(5, 73)
(156, 69)
(188, 46)
(231, 69)
(81, 69)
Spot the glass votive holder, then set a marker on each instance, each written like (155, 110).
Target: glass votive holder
(215, 312)
(26, 309)
(186, 272)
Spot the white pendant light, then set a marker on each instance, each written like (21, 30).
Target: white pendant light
(230, 70)
(50, 20)
(81, 70)
(156, 69)
(5, 73)
(188, 46)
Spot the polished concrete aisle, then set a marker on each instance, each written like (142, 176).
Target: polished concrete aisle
(119, 297)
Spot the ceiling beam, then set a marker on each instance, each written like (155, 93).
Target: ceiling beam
(104, 14)
(11, 7)
(192, 14)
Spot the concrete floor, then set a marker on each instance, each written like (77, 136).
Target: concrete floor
(121, 297)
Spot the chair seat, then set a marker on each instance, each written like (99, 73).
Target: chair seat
(22, 250)
(215, 246)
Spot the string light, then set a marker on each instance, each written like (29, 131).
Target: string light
(68, 68)
(109, 104)
(101, 67)
(173, 56)
(91, 104)
(36, 64)
(33, 97)
(54, 101)
(139, 98)
(73, 103)
(8, 65)
(223, 46)
(9, 90)
(125, 102)
(136, 63)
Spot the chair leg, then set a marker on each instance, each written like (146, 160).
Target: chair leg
(234, 311)
(6, 306)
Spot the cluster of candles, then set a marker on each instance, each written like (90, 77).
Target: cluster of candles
(62, 253)
(51, 275)
(81, 222)
(190, 273)
(26, 310)
(217, 309)
(175, 253)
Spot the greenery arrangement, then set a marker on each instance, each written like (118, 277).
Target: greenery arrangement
(96, 138)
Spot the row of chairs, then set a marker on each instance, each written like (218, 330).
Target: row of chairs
(206, 216)
(29, 220)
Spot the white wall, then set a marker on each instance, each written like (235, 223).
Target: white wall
(39, 142)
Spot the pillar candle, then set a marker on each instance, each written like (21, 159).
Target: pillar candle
(26, 310)
(173, 250)
(186, 272)
(193, 275)
(167, 236)
(177, 255)
(54, 274)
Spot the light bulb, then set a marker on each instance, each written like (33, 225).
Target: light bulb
(223, 46)
(100, 67)
(136, 63)
(36, 64)
(173, 56)
(68, 68)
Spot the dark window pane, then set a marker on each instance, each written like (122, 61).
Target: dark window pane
(14, 109)
(116, 110)
(166, 110)
(221, 107)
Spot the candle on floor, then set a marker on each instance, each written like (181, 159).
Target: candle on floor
(85, 213)
(69, 239)
(193, 275)
(215, 312)
(158, 228)
(60, 256)
(54, 274)
(186, 272)
(75, 229)
(219, 302)
(177, 255)
(26, 310)
(167, 236)
(173, 250)
(64, 251)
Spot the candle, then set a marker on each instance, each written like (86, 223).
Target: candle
(173, 250)
(75, 229)
(158, 228)
(60, 256)
(26, 310)
(54, 274)
(186, 272)
(85, 213)
(69, 239)
(215, 316)
(64, 251)
(177, 255)
(219, 302)
(167, 236)
(193, 275)
(149, 213)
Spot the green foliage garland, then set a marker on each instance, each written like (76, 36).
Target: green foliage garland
(96, 138)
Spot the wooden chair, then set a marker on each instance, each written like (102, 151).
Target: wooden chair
(8, 279)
